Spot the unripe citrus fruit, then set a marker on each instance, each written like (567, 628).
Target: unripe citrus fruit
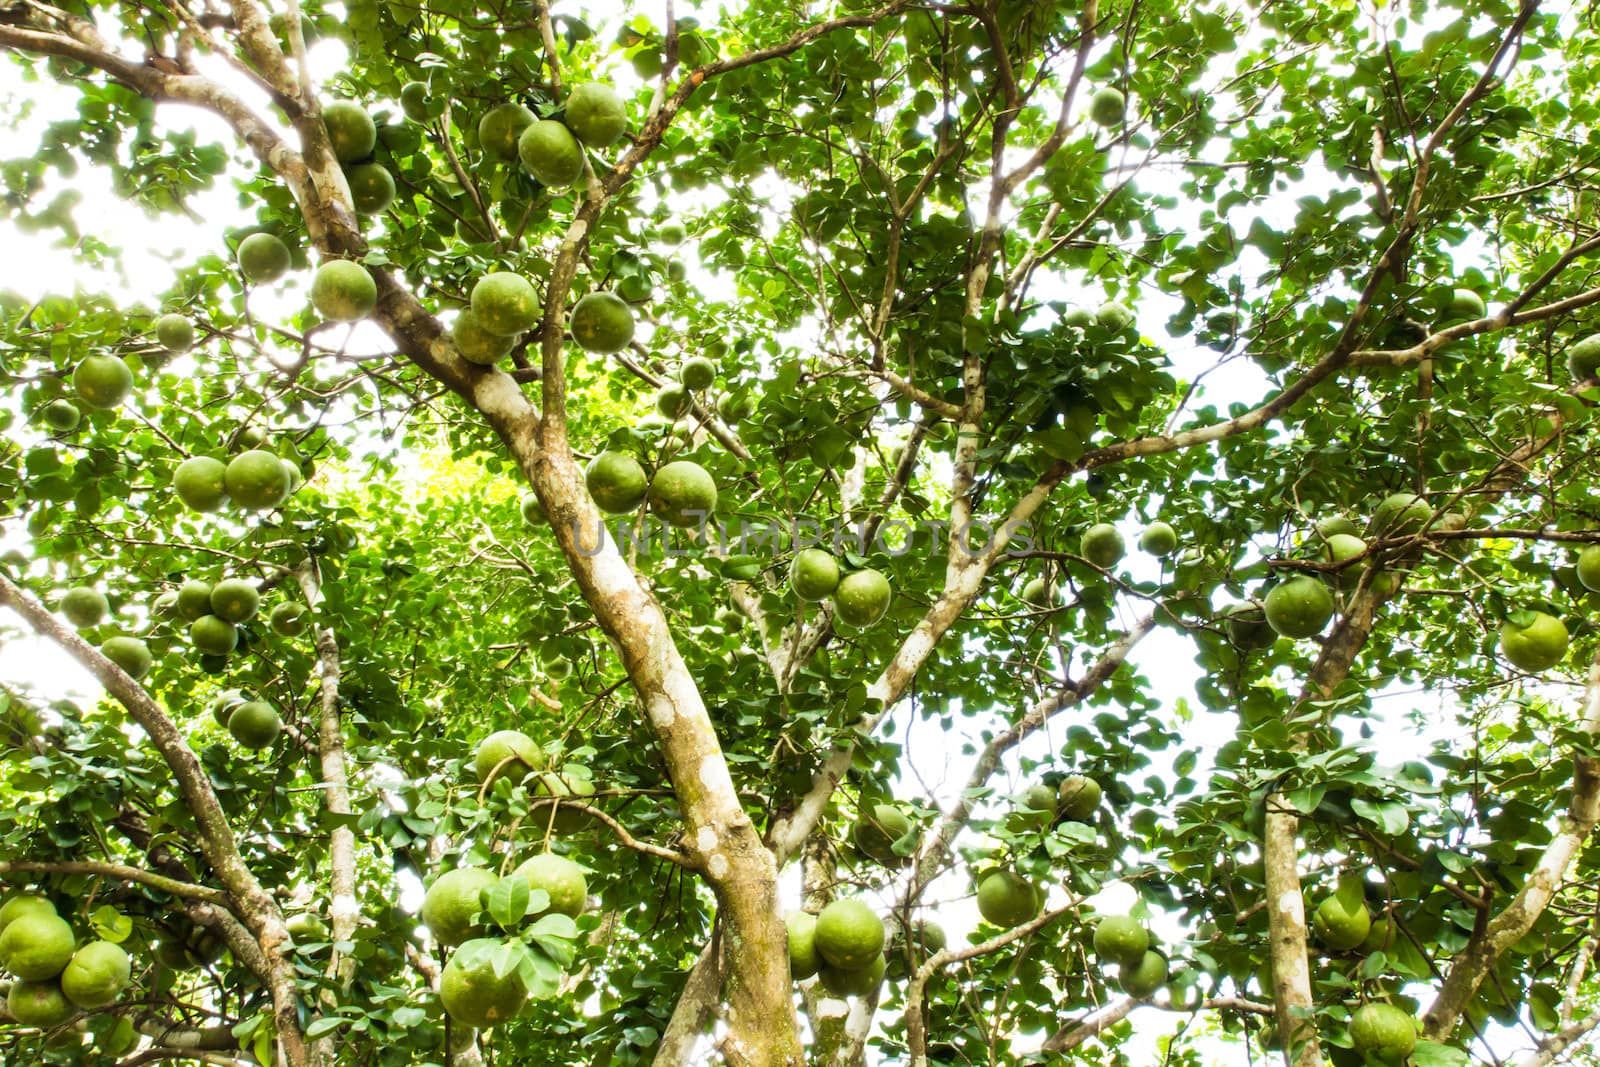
(697, 373)
(500, 128)
(562, 879)
(102, 382)
(1113, 316)
(568, 784)
(1040, 798)
(596, 115)
(1102, 545)
(234, 600)
(194, 599)
(1041, 593)
(214, 636)
(130, 654)
(1007, 899)
(60, 415)
(40, 1004)
(1378, 935)
(223, 707)
(683, 494)
(877, 829)
(550, 153)
(1120, 939)
(1141, 980)
(96, 975)
(476, 344)
(471, 992)
(1536, 645)
(1159, 539)
(414, 101)
(451, 902)
(860, 982)
(1384, 1031)
(84, 606)
(1336, 524)
(1299, 607)
(1341, 547)
(288, 620)
(505, 303)
(1399, 514)
(1107, 106)
(305, 927)
(371, 187)
(802, 929)
(263, 258)
(735, 407)
(21, 905)
(175, 333)
(602, 322)
(524, 752)
(36, 947)
(198, 481)
(670, 233)
(343, 291)
(1589, 568)
(1079, 797)
(1338, 928)
(533, 511)
(849, 935)
(673, 401)
(617, 482)
(255, 480)
(254, 724)
(814, 574)
(862, 598)
(350, 130)
(1464, 305)
(1583, 358)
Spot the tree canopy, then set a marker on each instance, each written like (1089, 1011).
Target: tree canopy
(676, 534)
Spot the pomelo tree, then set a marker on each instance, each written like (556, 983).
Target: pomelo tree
(974, 296)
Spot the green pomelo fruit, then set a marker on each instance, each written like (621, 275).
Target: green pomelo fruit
(223, 707)
(683, 494)
(1040, 798)
(36, 947)
(288, 620)
(1141, 980)
(1378, 935)
(254, 724)
(22, 905)
(697, 373)
(505, 303)
(1007, 899)
(1537, 646)
(559, 877)
(250, 437)
(1159, 539)
(1041, 593)
(1399, 514)
(803, 960)
(1113, 316)
(255, 480)
(306, 927)
(673, 402)
(1338, 928)
(60, 415)
(96, 975)
(40, 1004)
(877, 829)
(1583, 358)
(1589, 568)
(844, 982)
(1342, 547)
(102, 382)
(1464, 306)
(1102, 545)
(500, 128)
(602, 322)
(862, 598)
(1384, 1031)
(617, 482)
(1299, 607)
(735, 407)
(263, 258)
(1336, 524)
(476, 344)
(1107, 107)
(84, 606)
(343, 291)
(214, 636)
(414, 101)
(1078, 318)
(351, 131)
(596, 115)
(1078, 797)
(502, 745)
(198, 481)
(1120, 939)
(452, 901)
(234, 600)
(849, 935)
(472, 994)
(533, 511)
(175, 333)
(194, 599)
(814, 574)
(551, 154)
(372, 188)
(670, 233)
(129, 653)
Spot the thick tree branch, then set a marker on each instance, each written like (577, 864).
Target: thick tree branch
(121, 872)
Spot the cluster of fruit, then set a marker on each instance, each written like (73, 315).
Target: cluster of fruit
(54, 975)
(680, 493)
(860, 598)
